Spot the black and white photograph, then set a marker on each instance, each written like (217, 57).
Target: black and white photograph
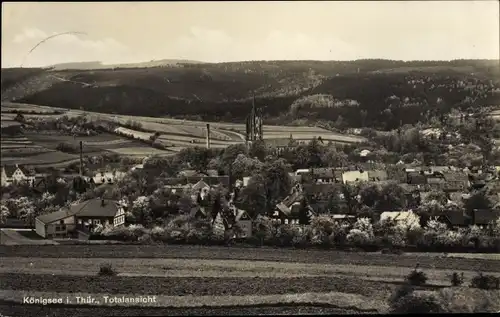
(189, 158)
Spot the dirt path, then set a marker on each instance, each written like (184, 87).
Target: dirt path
(13, 237)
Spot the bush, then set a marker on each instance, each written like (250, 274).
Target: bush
(145, 239)
(107, 269)
(357, 237)
(159, 234)
(263, 229)
(485, 282)
(416, 278)
(287, 234)
(67, 148)
(417, 303)
(456, 279)
(400, 292)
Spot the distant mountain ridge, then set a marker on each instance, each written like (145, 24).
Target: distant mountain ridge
(364, 93)
(100, 65)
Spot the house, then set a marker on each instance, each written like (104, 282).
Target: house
(321, 194)
(194, 173)
(56, 224)
(245, 223)
(15, 174)
(453, 218)
(107, 177)
(354, 176)
(482, 217)
(377, 175)
(408, 218)
(210, 180)
(289, 210)
(80, 217)
(456, 181)
(320, 175)
(416, 177)
(364, 153)
(436, 181)
(343, 218)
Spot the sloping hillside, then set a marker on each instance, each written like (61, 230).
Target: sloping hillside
(375, 93)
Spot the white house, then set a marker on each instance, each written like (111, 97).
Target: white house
(107, 177)
(354, 176)
(408, 218)
(16, 174)
(81, 216)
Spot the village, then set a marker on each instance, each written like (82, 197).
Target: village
(310, 196)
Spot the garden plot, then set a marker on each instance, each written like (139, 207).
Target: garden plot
(133, 133)
(46, 158)
(219, 268)
(139, 151)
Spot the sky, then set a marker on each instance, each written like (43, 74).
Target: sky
(126, 32)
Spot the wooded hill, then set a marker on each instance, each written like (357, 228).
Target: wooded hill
(371, 93)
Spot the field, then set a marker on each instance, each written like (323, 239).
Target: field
(187, 278)
(40, 148)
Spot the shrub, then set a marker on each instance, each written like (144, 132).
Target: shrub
(456, 279)
(416, 278)
(321, 229)
(362, 233)
(107, 269)
(286, 234)
(485, 281)
(158, 234)
(420, 303)
(401, 292)
(67, 148)
(145, 239)
(263, 229)
(357, 237)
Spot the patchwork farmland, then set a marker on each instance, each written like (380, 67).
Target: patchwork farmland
(35, 148)
(237, 280)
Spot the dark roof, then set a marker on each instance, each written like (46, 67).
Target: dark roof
(94, 208)
(197, 210)
(210, 180)
(416, 178)
(10, 169)
(191, 173)
(380, 174)
(410, 188)
(322, 188)
(485, 216)
(327, 172)
(454, 217)
(54, 216)
(242, 215)
(456, 176)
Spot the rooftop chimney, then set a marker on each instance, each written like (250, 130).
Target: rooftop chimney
(208, 135)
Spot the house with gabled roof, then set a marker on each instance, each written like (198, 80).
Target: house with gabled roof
(483, 217)
(82, 216)
(288, 211)
(456, 181)
(453, 218)
(321, 175)
(12, 174)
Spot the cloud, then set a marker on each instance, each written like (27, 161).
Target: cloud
(67, 48)
(29, 35)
